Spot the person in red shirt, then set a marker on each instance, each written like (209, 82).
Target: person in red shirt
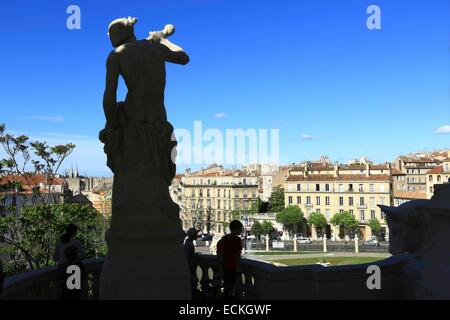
(229, 258)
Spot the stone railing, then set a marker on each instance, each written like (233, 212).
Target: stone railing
(260, 281)
(44, 284)
(264, 281)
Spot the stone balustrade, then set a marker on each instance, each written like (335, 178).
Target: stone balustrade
(44, 283)
(259, 280)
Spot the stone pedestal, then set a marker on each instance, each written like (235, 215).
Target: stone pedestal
(145, 257)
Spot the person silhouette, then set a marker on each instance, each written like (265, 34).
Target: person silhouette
(229, 259)
(73, 258)
(189, 251)
(68, 251)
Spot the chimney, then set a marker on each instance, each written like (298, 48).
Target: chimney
(336, 169)
(367, 169)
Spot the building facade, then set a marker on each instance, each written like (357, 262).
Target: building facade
(327, 189)
(212, 196)
(438, 175)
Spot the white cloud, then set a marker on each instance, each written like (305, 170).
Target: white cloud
(220, 115)
(443, 130)
(47, 118)
(306, 137)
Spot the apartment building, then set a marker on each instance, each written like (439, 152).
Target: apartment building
(211, 195)
(410, 180)
(438, 175)
(329, 189)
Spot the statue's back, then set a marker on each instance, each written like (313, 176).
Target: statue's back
(142, 66)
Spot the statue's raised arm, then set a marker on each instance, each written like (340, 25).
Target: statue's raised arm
(172, 52)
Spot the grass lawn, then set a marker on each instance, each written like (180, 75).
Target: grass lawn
(278, 253)
(335, 261)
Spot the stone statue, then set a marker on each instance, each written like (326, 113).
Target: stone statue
(145, 258)
(422, 227)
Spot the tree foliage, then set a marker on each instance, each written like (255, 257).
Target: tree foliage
(290, 217)
(319, 221)
(345, 220)
(26, 159)
(375, 225)
(276, 200)
(257, 229)
(267, 227)
(30, 238)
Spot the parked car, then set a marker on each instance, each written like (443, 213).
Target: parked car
(206, 237)
(303, 240)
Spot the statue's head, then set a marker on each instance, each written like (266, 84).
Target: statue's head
(407, 226)
(121, 31)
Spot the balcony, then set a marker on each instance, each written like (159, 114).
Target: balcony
(260, 281)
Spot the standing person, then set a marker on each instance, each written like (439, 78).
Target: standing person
(68, 251)
(229, 258)
(189, 251)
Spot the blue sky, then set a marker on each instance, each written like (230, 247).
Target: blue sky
(310, 68)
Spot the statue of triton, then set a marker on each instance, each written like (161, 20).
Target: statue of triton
(145, 258)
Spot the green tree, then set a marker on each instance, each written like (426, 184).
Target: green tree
(346, 221)
(46, 160)
(257, 229)
(31, 238)
(375, 226)
(290, 217)
(319, 221)
(276, 200)
(267, 227)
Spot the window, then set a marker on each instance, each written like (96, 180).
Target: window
(299, 200)
(382, 215)
(318, 201)
(341, 210)
(218, 192)
(318, 210)
(317, 187)
(299, 187)
(438, 178)
(361, 201)
(341, 188)
(372, 202)
(327, 213)
(360, 188)
(350, 187)
(350, 201)
(381, 200)
(327, 187)
(341, 201)
(290, 200)
(207, 193)
(371, 187)
(362, 215)
(327, 201)
(372, 214)
(351, 211)
(218, 204)
(308, 200)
